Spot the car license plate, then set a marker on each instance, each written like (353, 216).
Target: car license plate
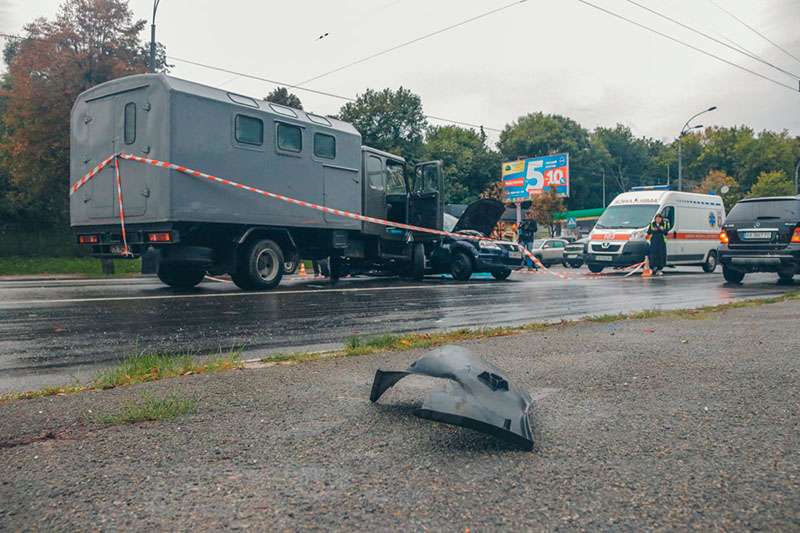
(515, 255)
(604, 258)
(754, 235)
(572, 256)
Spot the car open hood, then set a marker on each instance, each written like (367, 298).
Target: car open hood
(480, 396)
(481, 215)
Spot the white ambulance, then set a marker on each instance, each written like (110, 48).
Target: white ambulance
(619, 237)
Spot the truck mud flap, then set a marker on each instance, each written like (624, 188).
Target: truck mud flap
(480, 396)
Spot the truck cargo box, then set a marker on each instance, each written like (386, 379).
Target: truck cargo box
(272, 147)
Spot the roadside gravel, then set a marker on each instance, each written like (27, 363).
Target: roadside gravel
(645, 424)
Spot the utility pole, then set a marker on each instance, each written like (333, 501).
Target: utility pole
(604, 188)
(796, 172)
(686, 129)
(153, 37)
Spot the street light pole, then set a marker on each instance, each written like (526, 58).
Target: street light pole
(796, 172)
(604, 188)
(684, 131)
(153, 37)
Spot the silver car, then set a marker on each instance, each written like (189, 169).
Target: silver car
(549, 251)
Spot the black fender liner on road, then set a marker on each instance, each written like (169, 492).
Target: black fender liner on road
(482, 398)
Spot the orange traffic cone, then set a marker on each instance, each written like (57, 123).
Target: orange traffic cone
(302, 272)
(646, 272)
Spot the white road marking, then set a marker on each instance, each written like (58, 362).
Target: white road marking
(235, 294)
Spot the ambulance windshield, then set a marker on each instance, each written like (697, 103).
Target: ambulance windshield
(627, 216)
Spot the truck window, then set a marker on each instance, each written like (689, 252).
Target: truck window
(290, 138)
(375, 173)
(249, 130)
(324, 146)
(130, 123)
(395, 184)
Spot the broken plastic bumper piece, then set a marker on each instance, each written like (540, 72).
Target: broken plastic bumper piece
(480, 398)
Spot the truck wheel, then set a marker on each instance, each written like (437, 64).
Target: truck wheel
(786, 277)
(461, 266)
(261, 266)
(595, 268)
(180, 277)
(501, 274)
(337, 267)
(711, 262)
(731, 275)
(416, 269)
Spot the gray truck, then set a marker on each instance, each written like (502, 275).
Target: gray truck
(184, 227)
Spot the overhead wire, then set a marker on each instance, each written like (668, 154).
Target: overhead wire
(316, 91)
(688, 45)
(712, 38)
(751, 28)
(408, 43)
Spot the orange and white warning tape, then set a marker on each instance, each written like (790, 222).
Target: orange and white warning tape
(197, 174)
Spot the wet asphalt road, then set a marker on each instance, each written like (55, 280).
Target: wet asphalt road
(52, 330)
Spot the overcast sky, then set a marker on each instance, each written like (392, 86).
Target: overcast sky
(555, 56)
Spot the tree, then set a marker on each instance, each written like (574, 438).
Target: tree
(629, 156)
(544, 207)
(89, 42)
(772, 184)
(282, 96)
(469, 165)
(714, 182)
(389, 120)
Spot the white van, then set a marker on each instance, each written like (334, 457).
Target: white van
(619, 237)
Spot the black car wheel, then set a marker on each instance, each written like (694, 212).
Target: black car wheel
(595, 268)
(291, 264)
(461, 266)
(501, 274)
(260, 266)
(731, 275)
(179, 276)
(711, 263)
(786, 277)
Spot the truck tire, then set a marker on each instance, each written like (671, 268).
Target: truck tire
(337, 267)
(260, 267)
(501, 274)
(731, 275)
(786, 277)
(461, 266)
(595, 268)
(416, 268)
(180, 276)
(711, 262)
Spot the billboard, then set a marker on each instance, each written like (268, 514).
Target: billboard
(528, 177)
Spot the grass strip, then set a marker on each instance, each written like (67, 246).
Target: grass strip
(150, 409)
(140, 369)
(83, 266)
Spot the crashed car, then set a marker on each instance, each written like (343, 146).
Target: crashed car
(463, 257)
(479, 395)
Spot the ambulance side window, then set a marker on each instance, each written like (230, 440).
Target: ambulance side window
(669, 213)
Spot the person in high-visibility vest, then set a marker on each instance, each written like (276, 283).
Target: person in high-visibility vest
(658, 230)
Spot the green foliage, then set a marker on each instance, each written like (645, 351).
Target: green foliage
(81, 266)
(282, 96)
(544, 208)
(389, 120)
(155, 366)
(469, 165)
(772, 184)
(715, 181)
(150, 409)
